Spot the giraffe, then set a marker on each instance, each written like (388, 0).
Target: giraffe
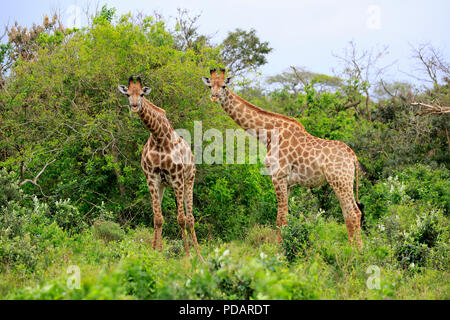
(298, 158)
(167, 161)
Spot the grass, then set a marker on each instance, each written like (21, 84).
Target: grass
(252, 268)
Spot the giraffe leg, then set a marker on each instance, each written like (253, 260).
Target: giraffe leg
(355, 220)
(350, 229)
(188, 199)
(281, 191)
(158, 220)
(357, 235)
(352, 215)
(181, 217)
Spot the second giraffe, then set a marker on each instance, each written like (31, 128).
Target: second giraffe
(298, 158)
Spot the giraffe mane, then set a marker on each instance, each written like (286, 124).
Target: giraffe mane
(269, 113)
(155, 108)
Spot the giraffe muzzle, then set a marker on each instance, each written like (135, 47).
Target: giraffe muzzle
(134, 108)
(214, 98)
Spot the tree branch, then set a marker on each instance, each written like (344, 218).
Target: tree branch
(352, 104)
(431, 109)
(297, 75)
(34, 181)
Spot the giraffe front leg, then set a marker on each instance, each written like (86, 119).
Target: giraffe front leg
(181, 217)
(278, 169)
(157, 192)
(281, 191)
(158, 220)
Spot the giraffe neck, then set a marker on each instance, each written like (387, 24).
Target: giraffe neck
(156, 121)
(249, 116)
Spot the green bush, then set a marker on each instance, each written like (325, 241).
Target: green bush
(415, 243)
(427, 229)
(9, 188)
(19, 253)
(143, 235)
(175, 248)
(259, 235)
(428, 184)
(26, 231)
(108, 231)
(295, 236)
(68, 216)
(139, 278)
(411, 254)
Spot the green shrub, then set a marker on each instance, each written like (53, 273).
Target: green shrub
(427, 228)
(382, 195)
(143, 235)
(108, 231)
(427, 184)
(26, 234)
(9, 188)
(415, 242)
(295, 236)
(139, 278)
(410, 254)
(174, 248)
(13, 220)
(19, 252)
(68, 216)
(259, 235)
(419, 184)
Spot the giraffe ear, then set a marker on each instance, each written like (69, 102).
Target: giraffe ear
(146, 90)
(206, 81)
(123, 89)
(229, 81)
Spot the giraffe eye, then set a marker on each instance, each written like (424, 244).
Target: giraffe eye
(223, 87)
(127, 95)
(142, 95)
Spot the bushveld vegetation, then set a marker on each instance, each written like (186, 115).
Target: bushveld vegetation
(73, 197)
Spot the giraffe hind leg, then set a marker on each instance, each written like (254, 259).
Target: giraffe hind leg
(352, 215)
(181, 217)
(188, 199)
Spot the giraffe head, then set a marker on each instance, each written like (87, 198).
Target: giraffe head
(217, 83)
(135, 93)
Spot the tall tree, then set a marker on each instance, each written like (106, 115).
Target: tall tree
(243, 50)
(186, 32)
(296, 78)
(361, 68)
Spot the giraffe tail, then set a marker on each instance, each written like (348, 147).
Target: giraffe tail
(359, 204)
(363, 220)
(357, 179)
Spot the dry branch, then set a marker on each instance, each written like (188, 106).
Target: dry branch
(299, 78)
(34, 181)
(429, 109)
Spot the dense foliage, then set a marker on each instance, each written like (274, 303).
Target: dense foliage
(72, 191)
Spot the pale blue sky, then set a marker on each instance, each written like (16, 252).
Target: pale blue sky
(302, 32)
